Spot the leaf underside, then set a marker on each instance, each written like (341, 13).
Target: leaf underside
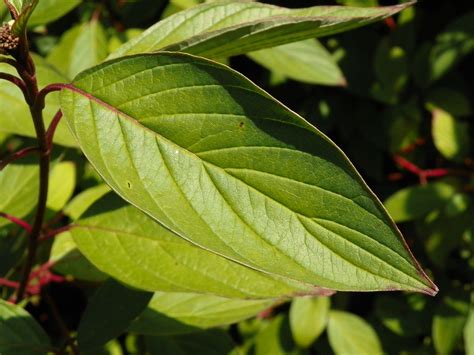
(212, 157)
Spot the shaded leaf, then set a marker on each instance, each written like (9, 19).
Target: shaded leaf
(14, 113)
(222, 164)
(81, 202)
(469, 333)
(448, 322)
(109, 312)
(19, 332)
(401, 318)
(306, 61)
(62, 181)
(450, 47)
(174, 312)
(50, 10)
(275, 338)
(125, 243)
(414, 202)
(350, 334)
(80, 48)
(308, 319)
(450, 136)
(449, 100)
(229, 28)
(391, 71)
(18, 190)
(210, 342)
(68, 260)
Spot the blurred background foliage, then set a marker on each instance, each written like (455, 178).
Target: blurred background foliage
(396, 96)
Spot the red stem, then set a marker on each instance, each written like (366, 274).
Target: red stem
(19, 222)
(422, 174)
(17, 155)
(15, 81)
(8, 283)
(52, 129)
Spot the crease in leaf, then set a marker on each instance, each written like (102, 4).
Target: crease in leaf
(239, 174)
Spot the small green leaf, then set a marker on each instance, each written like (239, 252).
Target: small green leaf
(449, 49)
(306, 61)
(24, 10)
(125, 243)
(210, 342)
(414, 202)
(222, 29)
(350, 334)
(450, 136)
(219, 162)
(50, 10)
(275, 338)
(109, 312)
(15, 116)
(62, 181)
(19, 332)
(80, 48)
(448, 322)
(192, 312)
(81, 202)
(18, 190)
(391, 71)
(469, 333)
(401, 318)
(11, 249)
(68, 260)
(308, 319)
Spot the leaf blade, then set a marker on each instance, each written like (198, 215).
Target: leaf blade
(256, 130)
(229, 28)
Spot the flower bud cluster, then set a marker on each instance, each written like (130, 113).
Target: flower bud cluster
(8, 41)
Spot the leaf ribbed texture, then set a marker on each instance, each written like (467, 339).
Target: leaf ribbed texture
(221, 163)
(128, 245)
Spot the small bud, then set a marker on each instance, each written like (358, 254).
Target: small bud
(8, 41)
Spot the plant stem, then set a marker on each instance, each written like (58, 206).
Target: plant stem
(37, 115)
(36, 103)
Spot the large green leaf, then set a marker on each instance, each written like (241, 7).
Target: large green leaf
(14, 113)
(191, 312)
(108, 314)
(221, 163)
(350, 334)
(308, 319)
(19, 332)
(306, 61)
(125, 243)
(18, 190)
(229, 28)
